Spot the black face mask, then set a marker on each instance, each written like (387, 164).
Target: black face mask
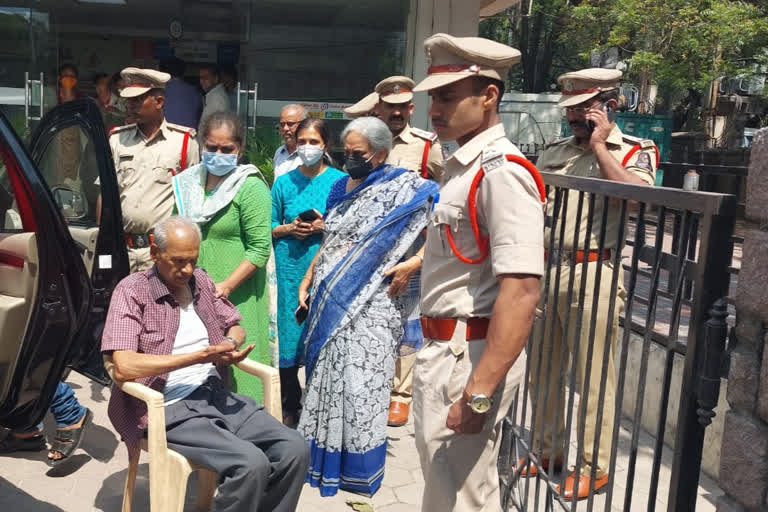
(357, 166)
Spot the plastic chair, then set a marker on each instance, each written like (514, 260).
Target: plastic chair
(169, 470)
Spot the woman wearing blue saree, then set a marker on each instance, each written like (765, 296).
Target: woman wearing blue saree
(363, 310)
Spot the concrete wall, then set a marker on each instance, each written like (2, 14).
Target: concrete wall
(710, 462)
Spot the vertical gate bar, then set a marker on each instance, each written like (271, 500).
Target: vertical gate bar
(649, 323)
(577, 349)
(587, 377)
(564, 353)
(607, 343)
(636, 250)
(687, 226)
(692, 255)
(552, 315)
(675, 244)
(534, 402)
(711, 284)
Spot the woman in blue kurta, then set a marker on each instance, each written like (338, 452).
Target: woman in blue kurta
(304, 189)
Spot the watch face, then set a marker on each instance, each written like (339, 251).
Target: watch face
(175, 29)
(480, 404)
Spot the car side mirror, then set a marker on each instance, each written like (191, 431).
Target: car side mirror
(71, 203)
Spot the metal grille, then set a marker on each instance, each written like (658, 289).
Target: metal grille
(668, 270)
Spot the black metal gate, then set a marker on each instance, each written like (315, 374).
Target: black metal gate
(676, 249)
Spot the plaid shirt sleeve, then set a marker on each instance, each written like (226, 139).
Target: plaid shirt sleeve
(226, 312)
(124, 319)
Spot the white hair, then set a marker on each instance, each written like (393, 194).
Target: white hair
(298, 108)
(374, 130)
(171, 224)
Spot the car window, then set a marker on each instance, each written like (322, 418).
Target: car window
(70, 169)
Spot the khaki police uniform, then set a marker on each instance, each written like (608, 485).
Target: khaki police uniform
(460, 471)
(364, 107)
(413, 149)
(568, 157)
(145, 166)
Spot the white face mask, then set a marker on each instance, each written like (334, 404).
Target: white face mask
(310, 154)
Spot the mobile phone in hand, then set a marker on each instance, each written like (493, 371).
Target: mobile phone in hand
(309, 215)
(609, 112)
(301, 313)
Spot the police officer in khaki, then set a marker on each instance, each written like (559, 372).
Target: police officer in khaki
(480, 278)
(147, 155)
(412, 148)
(364, 107)
(597, 149)
(416, 150)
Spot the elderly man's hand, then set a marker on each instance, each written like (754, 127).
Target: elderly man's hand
(225, 353)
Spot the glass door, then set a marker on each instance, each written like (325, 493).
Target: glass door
(28, 53)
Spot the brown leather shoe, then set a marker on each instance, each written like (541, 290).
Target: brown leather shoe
(398, 414)
(532, 470)
(583, 490)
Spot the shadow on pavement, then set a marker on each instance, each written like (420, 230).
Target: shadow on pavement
(13, 498)
(110, 496)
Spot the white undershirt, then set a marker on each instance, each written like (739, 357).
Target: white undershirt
(191, 337)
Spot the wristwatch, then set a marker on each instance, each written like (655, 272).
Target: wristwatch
(479, 404)
(233, 340)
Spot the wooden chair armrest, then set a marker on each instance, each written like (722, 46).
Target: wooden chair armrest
(270, 379)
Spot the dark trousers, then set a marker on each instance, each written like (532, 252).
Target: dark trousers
(261, 463)
(291, 389)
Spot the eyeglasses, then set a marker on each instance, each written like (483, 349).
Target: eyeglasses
(289, 124)
(580, 110)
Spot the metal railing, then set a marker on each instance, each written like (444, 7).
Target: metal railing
(576, 335)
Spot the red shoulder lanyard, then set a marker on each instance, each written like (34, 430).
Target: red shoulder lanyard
(483, 242)
(637, 148)
(425, 158)
(184, 152)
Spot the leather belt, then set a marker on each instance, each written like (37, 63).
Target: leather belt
(581, 256)
(443, 328)
(139, 241)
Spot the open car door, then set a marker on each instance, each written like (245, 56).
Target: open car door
(71, 150)
(45, 292)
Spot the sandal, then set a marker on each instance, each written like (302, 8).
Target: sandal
(67, 441)
(13, 444)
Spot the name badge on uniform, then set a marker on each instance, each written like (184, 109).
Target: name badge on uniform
(492, 160)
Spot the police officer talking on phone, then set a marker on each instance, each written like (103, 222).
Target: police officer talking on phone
(596, 149)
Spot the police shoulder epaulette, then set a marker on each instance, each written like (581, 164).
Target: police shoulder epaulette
(424, 134)
(118, 129)
(635, 141)
(492, 159)
(558, 141)
(181, 128)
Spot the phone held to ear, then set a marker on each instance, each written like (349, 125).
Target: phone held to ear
(309, 215)
(609, 112)
(301, 313)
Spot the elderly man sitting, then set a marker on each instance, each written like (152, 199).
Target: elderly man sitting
(166, 328)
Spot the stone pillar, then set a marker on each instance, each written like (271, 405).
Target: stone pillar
(456, 17)
(744, 453)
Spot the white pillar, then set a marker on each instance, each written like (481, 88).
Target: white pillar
(456, 17)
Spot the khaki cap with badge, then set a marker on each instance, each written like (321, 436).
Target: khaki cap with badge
(579, 86)
(395, 89)
(362, 107)
(138, 81)
(454, 58)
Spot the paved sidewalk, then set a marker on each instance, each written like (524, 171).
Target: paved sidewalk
(94, 478)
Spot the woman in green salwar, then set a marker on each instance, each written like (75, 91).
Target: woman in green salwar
(232, 205)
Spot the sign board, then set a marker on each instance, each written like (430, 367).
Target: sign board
(195, 51)
(317, 109)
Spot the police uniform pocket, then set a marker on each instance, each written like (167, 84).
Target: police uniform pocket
(462, 367)
(162, 175)
(443, 215)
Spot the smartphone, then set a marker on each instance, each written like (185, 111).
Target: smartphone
(608, 112)
(301, 313)
(309, 215)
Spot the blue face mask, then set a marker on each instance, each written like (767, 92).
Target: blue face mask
(219, 164)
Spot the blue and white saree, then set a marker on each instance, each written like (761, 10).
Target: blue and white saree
(355, 329)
